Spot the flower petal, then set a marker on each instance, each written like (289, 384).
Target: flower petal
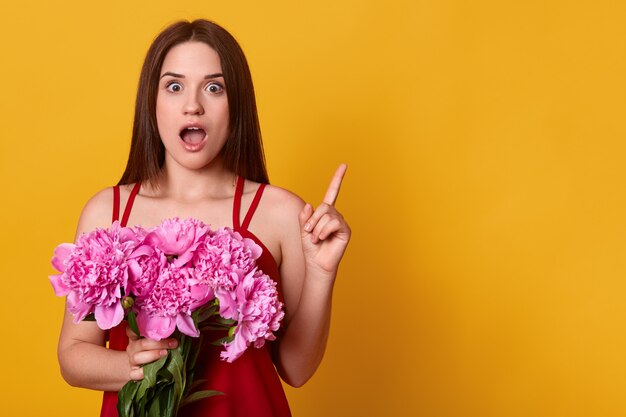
(228, 304)
(155, 328)
(61, 254)
(126, 233)
(234, 349)
(254, 248)
(143, 250)
(186, 325)
(109, 316)
(78, 308)
(201, 294)
(60, 289)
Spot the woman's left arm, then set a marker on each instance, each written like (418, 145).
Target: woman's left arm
(311, 257)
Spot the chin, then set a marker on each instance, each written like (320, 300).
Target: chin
(197, 163)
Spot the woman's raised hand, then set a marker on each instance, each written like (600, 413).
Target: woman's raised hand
(142, 350)
(325, 233)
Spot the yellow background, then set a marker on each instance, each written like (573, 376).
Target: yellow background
(486, 189)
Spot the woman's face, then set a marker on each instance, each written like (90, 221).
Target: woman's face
(192, 106)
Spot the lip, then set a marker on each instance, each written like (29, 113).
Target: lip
(193, 147)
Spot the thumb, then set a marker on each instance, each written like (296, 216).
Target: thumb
(305, 215)
(131, 335)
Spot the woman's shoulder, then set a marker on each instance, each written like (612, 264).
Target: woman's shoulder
(281, 200)
(98, 211)
(276, 216)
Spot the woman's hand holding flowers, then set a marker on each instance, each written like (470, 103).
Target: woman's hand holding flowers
(142, 350)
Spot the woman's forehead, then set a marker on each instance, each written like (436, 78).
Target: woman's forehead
(192, 58)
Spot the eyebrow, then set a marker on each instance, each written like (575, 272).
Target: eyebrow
(206, 77)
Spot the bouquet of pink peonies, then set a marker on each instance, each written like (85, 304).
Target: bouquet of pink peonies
(174, 279)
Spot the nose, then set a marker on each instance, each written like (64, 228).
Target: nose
(193, 105)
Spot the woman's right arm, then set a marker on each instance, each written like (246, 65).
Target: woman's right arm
(84, 360)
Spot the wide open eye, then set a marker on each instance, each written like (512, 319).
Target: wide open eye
(174, 87)
(214, 88)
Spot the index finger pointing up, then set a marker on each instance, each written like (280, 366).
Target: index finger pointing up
(335, 185)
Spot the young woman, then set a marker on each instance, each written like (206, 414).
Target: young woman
(196, 152)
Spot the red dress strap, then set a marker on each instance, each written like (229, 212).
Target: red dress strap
(116, 203)
(253, 206)
(129, 203)
(237, 205)
(237, 202)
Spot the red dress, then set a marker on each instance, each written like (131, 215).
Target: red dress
(251, 385)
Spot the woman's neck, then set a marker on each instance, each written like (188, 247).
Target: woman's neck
(189, 185)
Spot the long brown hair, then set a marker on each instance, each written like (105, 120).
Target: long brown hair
(243, 150)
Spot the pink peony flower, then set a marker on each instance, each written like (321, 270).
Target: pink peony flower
(220, 254)
(170, 271)
(93, 273)
(144, 265)
(177, 238)
(168, 305)
(254, 304)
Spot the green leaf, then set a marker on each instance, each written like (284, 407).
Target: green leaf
(90, 317)
(184, 345)
(125, 399)
(155, 408)
(228, 322)
(195, 384)
(154, 394)
(164, 376)
(132, 322)
(214, 326)
(169, 402)
(194, 350)
(176, 367)
(143, 395)
(223, 340)
(204, 313)
(150, 371)
(199, 395)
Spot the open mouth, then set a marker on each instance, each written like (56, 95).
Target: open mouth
(192, 135)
